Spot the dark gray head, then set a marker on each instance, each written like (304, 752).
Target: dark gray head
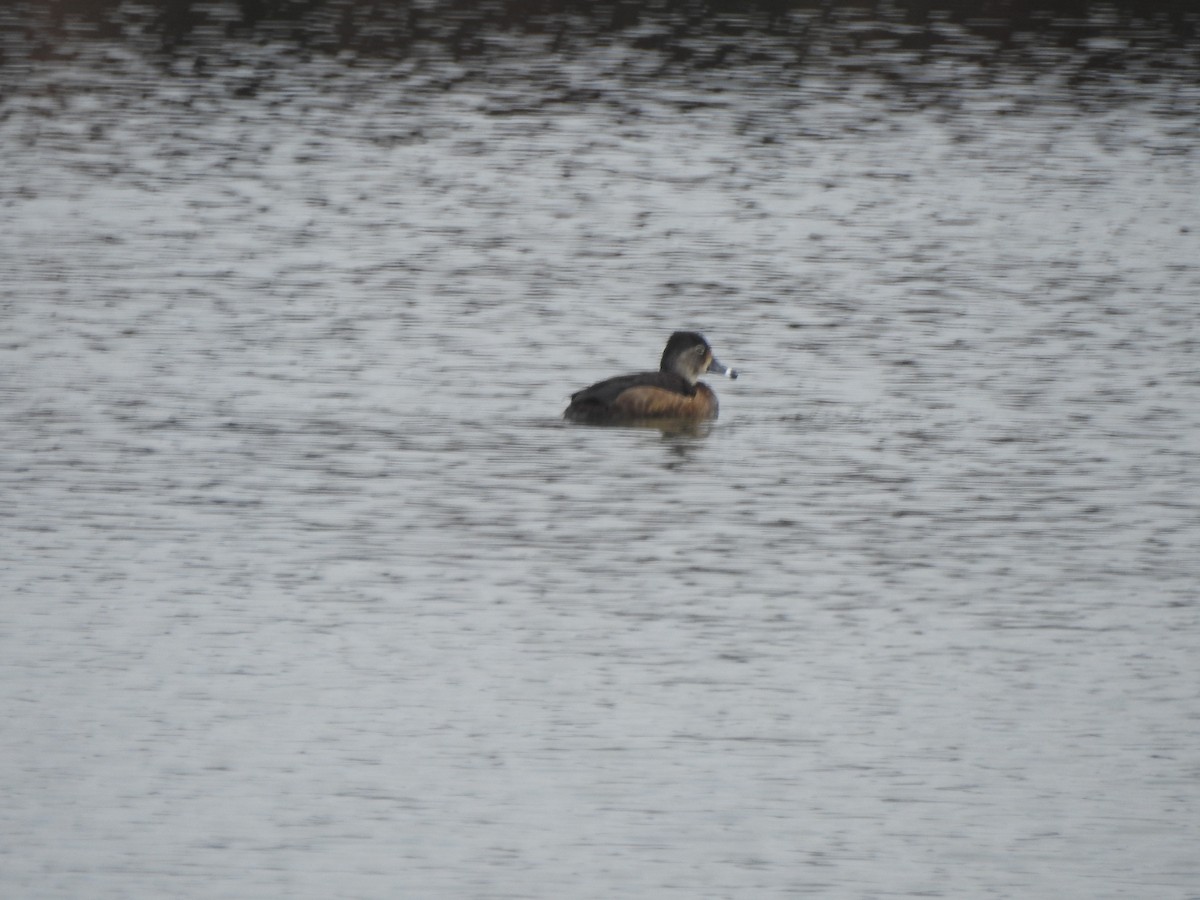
(687, 354)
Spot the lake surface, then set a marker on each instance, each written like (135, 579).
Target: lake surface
(307, 590)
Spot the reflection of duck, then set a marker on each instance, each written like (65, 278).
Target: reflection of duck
(673, 392)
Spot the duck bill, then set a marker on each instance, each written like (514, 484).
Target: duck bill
(719, 368)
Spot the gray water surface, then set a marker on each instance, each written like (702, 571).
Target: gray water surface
(307, 591)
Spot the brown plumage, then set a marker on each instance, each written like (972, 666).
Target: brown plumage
(673, 392)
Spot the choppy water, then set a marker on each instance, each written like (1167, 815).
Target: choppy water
(308, 592)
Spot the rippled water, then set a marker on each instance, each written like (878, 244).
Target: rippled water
(309, 592)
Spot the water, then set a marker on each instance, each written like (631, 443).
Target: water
(309, 592)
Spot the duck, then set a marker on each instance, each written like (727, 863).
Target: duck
(673, 392)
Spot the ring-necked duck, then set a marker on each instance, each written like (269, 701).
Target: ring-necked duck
(673, 392)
